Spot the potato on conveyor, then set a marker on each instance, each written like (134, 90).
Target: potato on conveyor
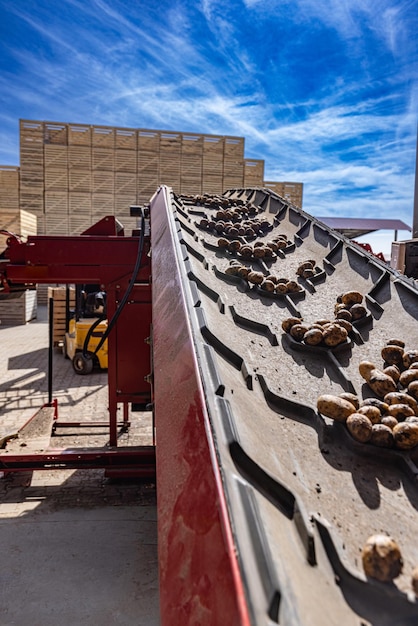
(396, 342)
(392, 355)
(298, 331)
(400, 397)
(358, 311)
(406, 435)
(401, 411)
(334, 407)
(409, 357)
(371, 412)
(381, 405)
(223, 243)
(351, 297)
(408, 376)
(255, 277)
(377, 380)
(334, 335)
(382, 436)
(413, 389)
(351, 397)
(360, 427)
(313, 337)
(390, 421)
(289, 322)
(382, 558)
(393, 371)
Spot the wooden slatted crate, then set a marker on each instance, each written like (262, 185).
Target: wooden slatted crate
(253, 172)
(58, 294)
(103, 136)
(17, 222)
(18, 310)
(79, 135)
(126, 138)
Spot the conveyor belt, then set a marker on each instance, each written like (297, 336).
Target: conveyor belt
(302, 495)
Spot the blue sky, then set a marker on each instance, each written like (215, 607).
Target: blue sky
(326, 91)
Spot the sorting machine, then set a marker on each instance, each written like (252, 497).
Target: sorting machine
(264, 504)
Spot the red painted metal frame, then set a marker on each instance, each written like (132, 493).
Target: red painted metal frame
(200, 580)
(102, 255)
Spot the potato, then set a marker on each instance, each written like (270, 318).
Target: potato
(344, 323)
(400, 397)
(377, 380)
(382, 406)
(281, 287)
(292, 286)
(389, 420)
(243, 271)
(255, 277)
(246, 251)
(259, 252)
(396, 342)
(232, 270)
(298, 331)
(413, 389)
(381, 558)
(407, 377)
(406, 435)
(351, 397)
(268, 285)
(393, 371)
(372, 412)
(409, 357)
(365, 368)
(351, 297)
(304, 266)
(223, 243)
(382, 436)
(313, 337)
(392, 355)
(308, 274)
(334, 335)
(360, 427)
(289, 322)
(334, 407)
(344, 314)
(358, 311)
(400, 411)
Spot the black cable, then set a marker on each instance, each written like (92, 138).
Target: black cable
(128, 291)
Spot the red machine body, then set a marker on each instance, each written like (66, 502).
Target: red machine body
(102, 255)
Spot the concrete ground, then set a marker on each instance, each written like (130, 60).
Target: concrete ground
(76, 547)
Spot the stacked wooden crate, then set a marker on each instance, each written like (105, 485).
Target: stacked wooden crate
(19, 309)
(22, 308)
(56, 217)
(58, 294)
(79, 182)
(233, 162)
(148, 173)
(9, 201)
(32, 183)
(103, 166)
(293, 192)
(253, 173)
(126, 165)
(212, 167)
(191, 164)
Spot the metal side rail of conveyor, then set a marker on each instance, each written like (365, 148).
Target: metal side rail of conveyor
(265, 504)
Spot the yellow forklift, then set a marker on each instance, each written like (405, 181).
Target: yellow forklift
(85, 329)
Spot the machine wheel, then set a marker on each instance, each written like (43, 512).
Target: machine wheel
(82, 364)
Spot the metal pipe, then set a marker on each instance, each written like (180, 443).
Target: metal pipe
(50, 347)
